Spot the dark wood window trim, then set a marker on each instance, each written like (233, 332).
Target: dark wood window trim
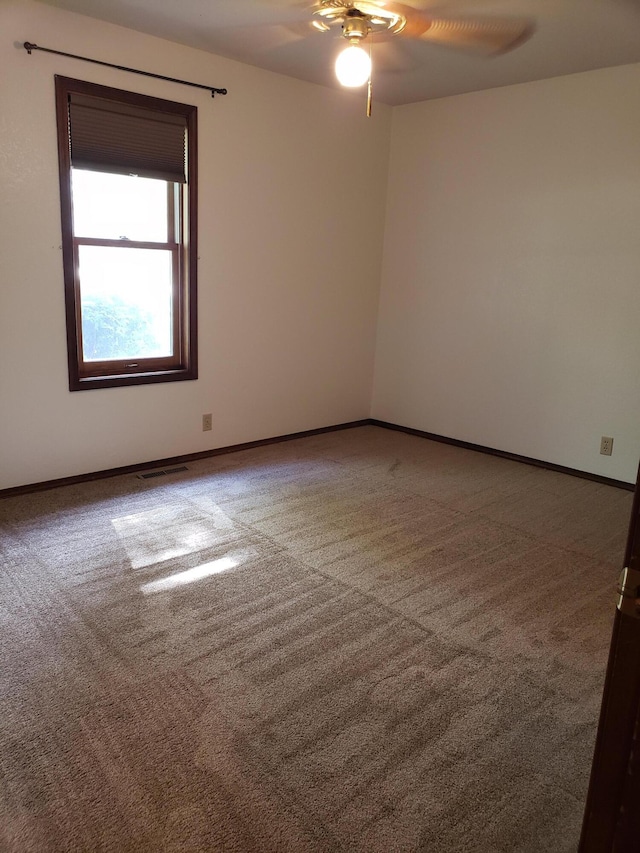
(181, 241)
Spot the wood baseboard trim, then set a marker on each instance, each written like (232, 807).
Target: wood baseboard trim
(234, 448)
(45, 485)
(503, 454)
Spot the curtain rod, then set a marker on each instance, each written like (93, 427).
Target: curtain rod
(29, 46)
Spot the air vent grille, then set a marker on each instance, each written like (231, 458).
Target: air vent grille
(149, 475)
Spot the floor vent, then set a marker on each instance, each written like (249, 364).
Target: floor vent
(148, 475)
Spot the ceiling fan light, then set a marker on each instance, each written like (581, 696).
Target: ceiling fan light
(353, 66)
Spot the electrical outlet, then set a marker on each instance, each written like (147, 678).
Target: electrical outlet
(606, 445)
(207, 423)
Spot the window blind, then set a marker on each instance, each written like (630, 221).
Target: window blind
(110, 136)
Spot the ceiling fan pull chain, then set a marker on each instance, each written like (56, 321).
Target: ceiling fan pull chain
(369, 85)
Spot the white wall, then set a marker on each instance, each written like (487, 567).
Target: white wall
(510, 294)
(510, 301)
(291, 199)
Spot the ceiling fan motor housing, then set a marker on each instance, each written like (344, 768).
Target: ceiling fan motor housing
(355, 25)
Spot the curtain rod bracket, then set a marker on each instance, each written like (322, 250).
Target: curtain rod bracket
(30, 46)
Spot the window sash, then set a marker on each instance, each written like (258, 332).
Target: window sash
(131, 366)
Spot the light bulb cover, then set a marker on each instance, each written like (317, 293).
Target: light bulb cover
(353, 66)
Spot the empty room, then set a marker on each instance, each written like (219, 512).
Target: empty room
(319, 426)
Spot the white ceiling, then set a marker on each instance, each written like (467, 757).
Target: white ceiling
(571, 36)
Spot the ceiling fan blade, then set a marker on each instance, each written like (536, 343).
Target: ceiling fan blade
(484, 34)
(391, 56)
(487, 35)
(263, 38)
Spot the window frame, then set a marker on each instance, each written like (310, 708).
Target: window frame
(181, 241)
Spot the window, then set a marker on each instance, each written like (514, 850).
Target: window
(128, 198)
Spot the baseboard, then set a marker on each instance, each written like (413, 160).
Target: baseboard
(45, 485)
(248, 445)
(503, 454)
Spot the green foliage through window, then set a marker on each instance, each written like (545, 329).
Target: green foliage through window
(115, 329)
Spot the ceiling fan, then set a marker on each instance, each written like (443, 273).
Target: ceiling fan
(364, 22)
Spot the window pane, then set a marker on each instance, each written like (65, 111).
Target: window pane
(126, 303)
(115, 206)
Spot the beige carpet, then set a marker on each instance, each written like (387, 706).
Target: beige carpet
(359, 641)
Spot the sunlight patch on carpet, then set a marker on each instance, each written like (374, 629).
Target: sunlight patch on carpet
(164, 533)
(215, 567)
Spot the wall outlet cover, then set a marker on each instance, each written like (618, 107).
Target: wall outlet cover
(606, 445)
